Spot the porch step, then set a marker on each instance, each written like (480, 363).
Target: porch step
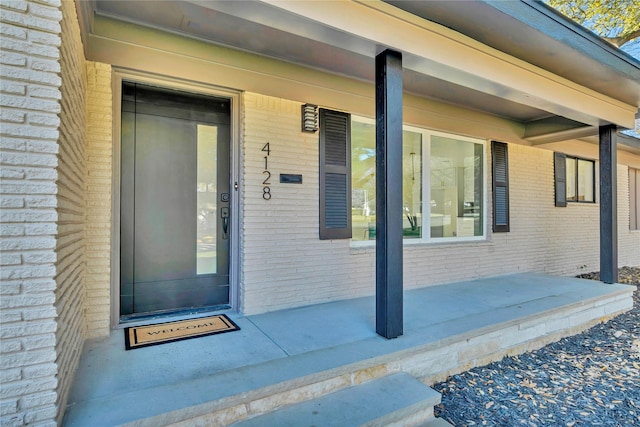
(394, 400)
(437, 422)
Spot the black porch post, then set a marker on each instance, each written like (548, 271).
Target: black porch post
(608, 205)
(389, 322)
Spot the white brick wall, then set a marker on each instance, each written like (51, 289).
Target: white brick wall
(629, 241)
(30, 87)
(285, 264)
(70, 274)
(56, 157)
(98, 200)
(56, 187)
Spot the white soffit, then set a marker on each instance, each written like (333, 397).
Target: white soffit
(431, 49)
(538, 34)
(345, 36)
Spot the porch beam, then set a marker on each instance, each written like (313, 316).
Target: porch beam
(608, 204)
(555, 129)
(389, 305)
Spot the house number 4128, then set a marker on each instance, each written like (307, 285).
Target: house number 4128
(266, 190)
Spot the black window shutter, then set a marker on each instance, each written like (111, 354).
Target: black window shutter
(335, 175)
(560, 173)
(500, 169)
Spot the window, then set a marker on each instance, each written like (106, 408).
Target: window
(580, 180)
(575, 179)
(442, 184)
(634, 199)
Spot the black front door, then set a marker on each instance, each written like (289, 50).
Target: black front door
(175, 200)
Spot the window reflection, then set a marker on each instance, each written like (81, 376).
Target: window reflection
(207, 172)
(363, 180)
(456, 188)
(412, 184)
(585, 181)
(571, 180)
(580, 180)
(453, 187)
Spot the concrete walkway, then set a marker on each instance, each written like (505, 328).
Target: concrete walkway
(113, 386)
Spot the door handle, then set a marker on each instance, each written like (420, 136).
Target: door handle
(224, 214)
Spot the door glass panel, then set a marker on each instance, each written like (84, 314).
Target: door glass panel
(207, 190)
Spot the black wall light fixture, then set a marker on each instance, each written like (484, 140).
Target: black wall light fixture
(309, 118)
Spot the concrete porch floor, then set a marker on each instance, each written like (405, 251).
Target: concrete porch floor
(447, 329)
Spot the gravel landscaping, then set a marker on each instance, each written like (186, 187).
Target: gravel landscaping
(590, 379)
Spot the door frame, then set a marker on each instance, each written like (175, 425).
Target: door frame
(118, 75)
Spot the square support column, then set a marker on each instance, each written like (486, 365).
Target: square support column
(608, 205)
(389, 305)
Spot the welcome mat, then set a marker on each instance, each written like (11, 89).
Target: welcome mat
(144, 336)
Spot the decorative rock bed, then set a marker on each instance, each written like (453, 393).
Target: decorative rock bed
(590, 379)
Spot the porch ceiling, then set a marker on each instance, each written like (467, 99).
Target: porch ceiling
(474, 72)
(537, 34)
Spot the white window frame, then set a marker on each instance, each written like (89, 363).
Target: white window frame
(426, 187)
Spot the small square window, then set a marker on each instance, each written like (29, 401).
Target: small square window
(580, 182)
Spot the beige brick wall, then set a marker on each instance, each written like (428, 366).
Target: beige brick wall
(542, 239)
(71, 246)
(56, 186)
(30, 86)
(98, 187)
(629, 240)
(56, 232)
(285, 264)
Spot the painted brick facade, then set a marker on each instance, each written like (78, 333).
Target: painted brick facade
(285, 264)
(629, 240)
(98, 193)
(56, 171)
(57, 163)
(283, 261)
(30, 154)
(70, 274)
